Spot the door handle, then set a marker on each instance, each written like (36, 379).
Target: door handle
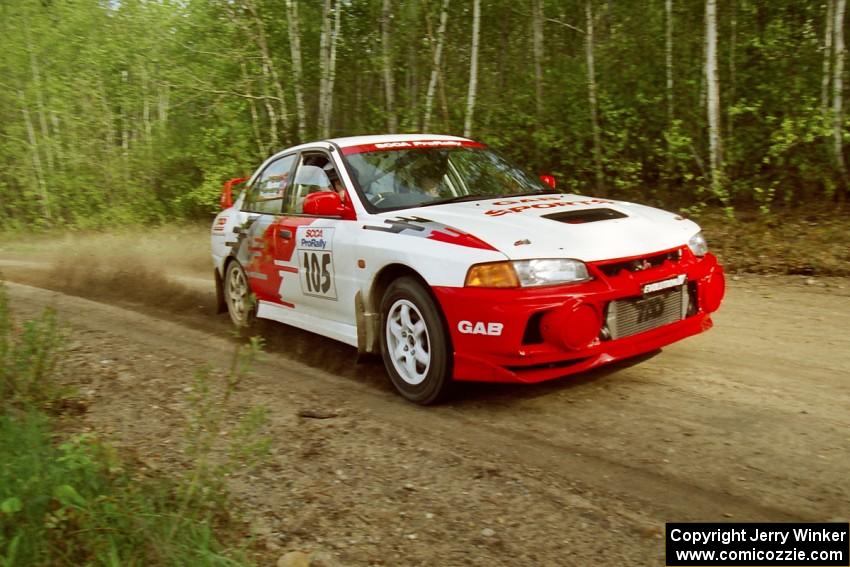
(284, 234)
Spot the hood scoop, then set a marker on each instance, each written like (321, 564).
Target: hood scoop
(585, 216)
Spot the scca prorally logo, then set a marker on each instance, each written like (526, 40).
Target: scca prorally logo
(313, 238)
(480, 328)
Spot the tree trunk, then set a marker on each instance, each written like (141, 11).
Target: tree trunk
(42, 114)
(38, 171)
(837, 90)
(713, 94)
(827, 57)
(733, 44)
(473, 68)
(269, 69)
(255, 116)
(323, 63)
(591, 95)
(435, 66)
(537, 44)
(668, 52)
(295, 54)
(331, 75)
(389, 82)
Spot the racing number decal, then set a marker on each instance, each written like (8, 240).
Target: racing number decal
(315, 256)
(318, 272)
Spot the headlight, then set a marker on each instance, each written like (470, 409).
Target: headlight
(698, 245)
(527, 273)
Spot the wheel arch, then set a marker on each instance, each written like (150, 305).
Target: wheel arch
(368, 308)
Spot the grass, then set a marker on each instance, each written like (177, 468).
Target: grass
(72, 500)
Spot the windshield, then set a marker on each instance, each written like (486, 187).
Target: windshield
(401, 178)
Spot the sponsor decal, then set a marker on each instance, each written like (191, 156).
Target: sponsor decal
(218, 226)
(314, 239)
(544, 202)
(664, 284)
(314, 254)
(480, 328)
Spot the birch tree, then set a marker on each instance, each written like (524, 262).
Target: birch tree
(537, 44)
(269, 68)
(827, 57)
(713, 98)
(435, 66)
(838, 88)
(387, 60)
(591, 96)
(327, 62)
(38, 170)
(297, 74)
(668, 56)
(332, 65)
(473, 68)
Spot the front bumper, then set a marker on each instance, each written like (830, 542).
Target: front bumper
(537, 334)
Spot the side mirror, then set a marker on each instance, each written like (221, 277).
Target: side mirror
(548, 180)
(325, 204)
(226, 199)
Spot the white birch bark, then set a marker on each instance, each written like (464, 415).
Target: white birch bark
(537, 48)
(329, 94)
(255, 115)
(42, 114)
(838, 88)
(473, 69)
(269, 69)
(389, 81)
(827, 57)
(435, 66)
(668, 57)
(733, 45)
(592, 98)
(38, 170)
(323, 64)
(713, 94)
(297, 73)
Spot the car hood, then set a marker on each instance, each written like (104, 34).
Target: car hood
(563, 226)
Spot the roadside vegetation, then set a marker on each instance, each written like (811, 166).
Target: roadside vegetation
(69, 499)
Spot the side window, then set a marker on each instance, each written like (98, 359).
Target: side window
(315, 173)
(271, 188)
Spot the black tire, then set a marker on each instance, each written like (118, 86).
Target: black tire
(417, 381)
(240, 301)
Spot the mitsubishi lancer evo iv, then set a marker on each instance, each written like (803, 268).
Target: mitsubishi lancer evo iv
(454, 264)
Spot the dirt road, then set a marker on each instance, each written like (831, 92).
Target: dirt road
(748, 422)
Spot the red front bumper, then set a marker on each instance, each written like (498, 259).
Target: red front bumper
(518, 335)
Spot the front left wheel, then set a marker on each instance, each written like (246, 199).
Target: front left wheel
(414, 342)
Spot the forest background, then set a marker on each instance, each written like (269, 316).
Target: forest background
(117, 112)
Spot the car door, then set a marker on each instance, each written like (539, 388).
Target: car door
(313, 255)
(261, 211)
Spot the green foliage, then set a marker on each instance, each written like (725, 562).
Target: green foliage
(76, 502)
(115, 113)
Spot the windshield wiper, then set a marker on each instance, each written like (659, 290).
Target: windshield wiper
(458, 199)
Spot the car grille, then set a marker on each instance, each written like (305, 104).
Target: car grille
(626, 317)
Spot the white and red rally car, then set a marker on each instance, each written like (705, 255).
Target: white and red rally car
(455, 264)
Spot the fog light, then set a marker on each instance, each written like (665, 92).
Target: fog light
(573, 327)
